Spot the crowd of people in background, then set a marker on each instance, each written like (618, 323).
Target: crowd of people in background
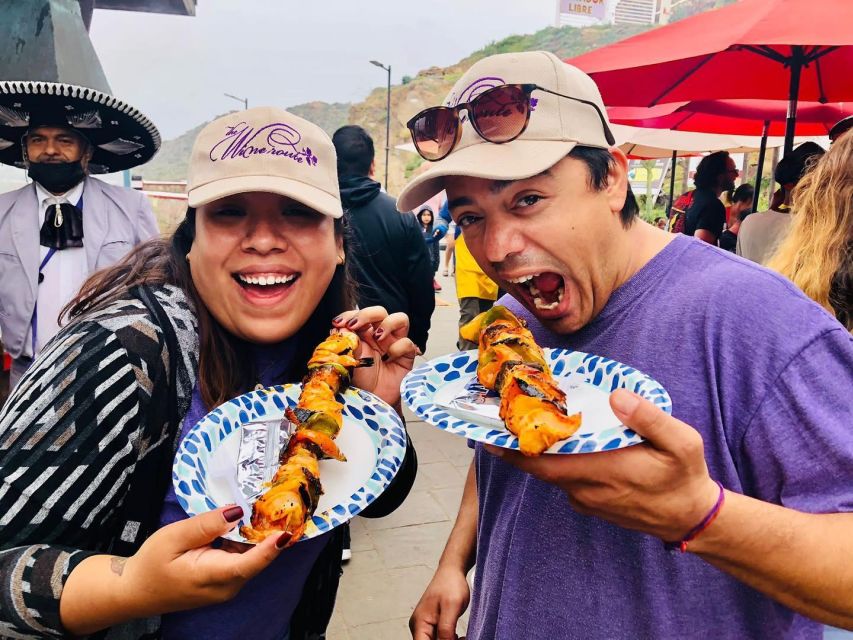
(806, 232)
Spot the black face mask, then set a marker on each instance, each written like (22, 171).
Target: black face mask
(57, 177)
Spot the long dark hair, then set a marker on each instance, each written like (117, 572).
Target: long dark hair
(427, 227)
(225, 366)
(710, 168)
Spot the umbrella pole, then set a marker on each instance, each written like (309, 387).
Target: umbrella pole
(672, 183)
(761, 152)
(793, 95)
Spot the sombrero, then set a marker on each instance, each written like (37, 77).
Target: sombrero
(121, 135)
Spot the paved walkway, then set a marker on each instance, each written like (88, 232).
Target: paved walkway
(393, 558)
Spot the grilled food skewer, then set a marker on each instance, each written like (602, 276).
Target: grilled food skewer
(510, 362)
(295, 488)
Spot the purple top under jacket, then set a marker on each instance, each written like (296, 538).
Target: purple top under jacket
(263, 608)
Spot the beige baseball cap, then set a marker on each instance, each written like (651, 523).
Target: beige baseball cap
(556, 124)
(265, 149)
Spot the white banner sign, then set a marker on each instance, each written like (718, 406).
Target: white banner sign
(588, 8)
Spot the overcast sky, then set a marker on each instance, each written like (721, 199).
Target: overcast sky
(285, 52)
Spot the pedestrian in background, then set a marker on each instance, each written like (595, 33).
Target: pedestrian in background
(427, 221)
(475, 290)
(445, 226)
(736, 213)
(763, 232)
(390, 259)
(706, 215)
(741, 201)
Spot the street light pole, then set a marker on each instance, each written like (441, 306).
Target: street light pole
(387, 118)
(245, 101)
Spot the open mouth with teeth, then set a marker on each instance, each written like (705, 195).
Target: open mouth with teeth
(545, 290)
(265, 284)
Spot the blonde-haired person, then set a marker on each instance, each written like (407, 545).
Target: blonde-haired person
(817, 253)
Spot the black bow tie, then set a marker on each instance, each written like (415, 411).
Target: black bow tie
(62, 228)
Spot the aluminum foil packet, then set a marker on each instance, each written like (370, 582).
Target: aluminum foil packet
(477, 398)
(469, 400)
(261, 444)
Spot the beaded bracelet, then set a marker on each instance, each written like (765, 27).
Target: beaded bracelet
(681, 545)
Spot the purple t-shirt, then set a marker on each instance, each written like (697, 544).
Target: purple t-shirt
(273, 594)
(764, 374)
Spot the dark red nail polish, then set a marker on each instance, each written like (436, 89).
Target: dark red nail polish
(282, 541)
(378, 332)
(384, 357)
(233, 514)
(337, 320)
(352, 322)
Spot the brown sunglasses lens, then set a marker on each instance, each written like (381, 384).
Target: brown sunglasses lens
(434, 132)
(500, 114)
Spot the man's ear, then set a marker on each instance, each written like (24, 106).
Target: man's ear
(372, 170)
(617, 180)
(87, 156)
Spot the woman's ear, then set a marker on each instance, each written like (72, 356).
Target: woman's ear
(339, 247)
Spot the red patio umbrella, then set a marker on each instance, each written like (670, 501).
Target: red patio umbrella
(756, 49)
(735, 117)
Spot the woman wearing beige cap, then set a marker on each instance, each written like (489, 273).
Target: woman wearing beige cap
(91, 535)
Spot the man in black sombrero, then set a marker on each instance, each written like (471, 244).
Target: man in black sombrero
(65, 225)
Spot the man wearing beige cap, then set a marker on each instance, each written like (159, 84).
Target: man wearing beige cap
(573, 546)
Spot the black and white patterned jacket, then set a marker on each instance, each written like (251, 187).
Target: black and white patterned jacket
(87, 442)
(87, 439)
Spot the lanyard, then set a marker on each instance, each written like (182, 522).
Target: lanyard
(45, 260)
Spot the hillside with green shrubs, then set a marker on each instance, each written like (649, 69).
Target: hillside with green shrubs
(427, 88)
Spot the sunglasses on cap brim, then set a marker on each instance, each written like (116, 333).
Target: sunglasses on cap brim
(498, 115)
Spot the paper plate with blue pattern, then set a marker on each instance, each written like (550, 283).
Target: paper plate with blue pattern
(372, 438)
(445, 393)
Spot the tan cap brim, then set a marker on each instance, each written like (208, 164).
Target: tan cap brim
(514, 160)
(310, 196)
